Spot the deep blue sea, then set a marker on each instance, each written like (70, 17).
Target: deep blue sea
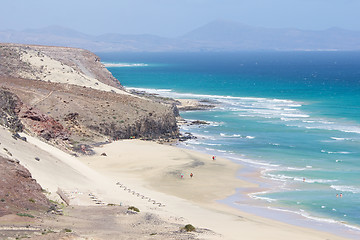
(293, 116)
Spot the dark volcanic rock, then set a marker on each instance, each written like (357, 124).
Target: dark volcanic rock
(186, 136)
(147, 127)
(9, 109)
(199, 122)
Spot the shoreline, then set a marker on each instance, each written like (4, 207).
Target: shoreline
(283, 213)
(278, 213)
(152, 170)
(214, 204)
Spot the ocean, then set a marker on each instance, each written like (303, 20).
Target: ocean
(294, 117)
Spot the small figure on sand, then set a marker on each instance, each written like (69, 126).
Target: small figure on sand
(191, 175)
(182, 176)
(213, 158)
(83, 148)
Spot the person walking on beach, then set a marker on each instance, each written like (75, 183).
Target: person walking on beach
(191, 175)
(213, 157)
(182, 176)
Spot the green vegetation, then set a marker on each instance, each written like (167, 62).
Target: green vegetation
(25, 215)
(47, 231)
(189, 228)
(135, 209)
(2, 200)
(54, 202)
(45, 191)
(22, 237)
(31, 200)
(67, 230)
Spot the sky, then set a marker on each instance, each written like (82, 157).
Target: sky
(171, 18)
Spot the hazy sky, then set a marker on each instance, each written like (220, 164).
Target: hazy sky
(176, 17)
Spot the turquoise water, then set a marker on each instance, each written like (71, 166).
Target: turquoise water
(294, 116)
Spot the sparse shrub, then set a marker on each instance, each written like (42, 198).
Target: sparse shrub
(25, 215)
(189, 228)
(54, 202)
(67, 230)
(31, 200)
(132, 208)
(2, 200)
(47, 231)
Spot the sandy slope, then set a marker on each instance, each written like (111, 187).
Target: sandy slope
(56, 71)
(153, 171)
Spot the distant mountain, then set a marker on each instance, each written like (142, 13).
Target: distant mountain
(215, 36)
(235, 36)
(57, 31)
(58, 36)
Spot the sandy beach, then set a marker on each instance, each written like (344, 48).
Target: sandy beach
(148, 175)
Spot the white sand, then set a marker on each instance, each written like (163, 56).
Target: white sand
(55, 71)
(152, 170)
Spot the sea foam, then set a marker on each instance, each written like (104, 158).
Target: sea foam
(125, 65)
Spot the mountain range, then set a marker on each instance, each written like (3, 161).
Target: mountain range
(215, 36)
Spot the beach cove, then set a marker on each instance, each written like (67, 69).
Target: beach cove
(141, 167)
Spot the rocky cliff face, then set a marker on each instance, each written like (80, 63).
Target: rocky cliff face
(71, 113)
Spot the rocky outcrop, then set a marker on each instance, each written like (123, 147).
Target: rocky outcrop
(19, 192)
(9, 110)
(15, 115)
(194, 105)
(43, 125)
(145, 128)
